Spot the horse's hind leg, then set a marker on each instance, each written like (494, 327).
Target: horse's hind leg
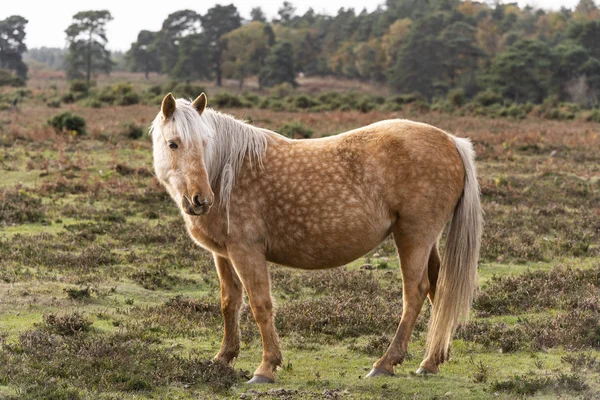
(433, 269)
(231, 302)
(414, 262)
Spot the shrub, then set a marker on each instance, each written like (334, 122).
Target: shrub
(19, 207)
(79, 86)
(66, 324)
(282, 90)
(186, 90)
(332, 99)
(407, 98)
(365, 105)
(53, 103)
(593, 115)
(132, 130)
(68, 98)
(121, 94)
(305, 102)
(227, 100)
(456, 97)
(155, 90)
(67, 122)
(7, 78)
(78, 294)
(488, 98)
(296, 130)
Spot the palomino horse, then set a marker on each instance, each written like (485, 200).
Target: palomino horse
(250, 195)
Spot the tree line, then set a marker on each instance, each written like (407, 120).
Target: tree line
(427, 46)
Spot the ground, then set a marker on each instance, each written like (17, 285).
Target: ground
(103, 295)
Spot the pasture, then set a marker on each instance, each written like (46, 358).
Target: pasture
(104, 295)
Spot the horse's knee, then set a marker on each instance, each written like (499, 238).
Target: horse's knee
(262, 309)
(230, 304)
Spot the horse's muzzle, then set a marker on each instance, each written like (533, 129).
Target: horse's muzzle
(197, 206)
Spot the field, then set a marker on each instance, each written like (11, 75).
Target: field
(103, 295)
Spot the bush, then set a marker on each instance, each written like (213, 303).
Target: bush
(121, 94)
(593, 116)
(457, 98)
(132, 130)
(67, 122)
(53, 103)
(66, 324)
(407, 98)
(68, 98)
(79, 86)
(186, 90)
(282, 90)
(305, 102)
(365, 105)
(227, 100)
(332, 99)
(296, 130)
(488, 98)
(7, 78)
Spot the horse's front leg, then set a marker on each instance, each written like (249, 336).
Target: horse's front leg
(231, 302)
(251, 267)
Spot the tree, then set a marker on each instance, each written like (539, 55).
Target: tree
(586, 10)
(460, 54)
(218, 21)
(12, 45)
(177, 26)
(143, 56)
(586, 34)
(195, 59)
(87, 44)
(525, 71)
(286, 12)
(257, 14)
(245, 48)
(279, 66)
(419, 64)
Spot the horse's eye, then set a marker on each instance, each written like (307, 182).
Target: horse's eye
(173, 145)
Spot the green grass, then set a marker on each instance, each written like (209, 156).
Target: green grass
(83, 222)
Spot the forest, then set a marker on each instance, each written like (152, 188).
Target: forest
(434, 48)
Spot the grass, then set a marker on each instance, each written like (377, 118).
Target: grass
(100, 284)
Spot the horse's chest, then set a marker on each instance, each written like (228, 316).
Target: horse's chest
(205, 238)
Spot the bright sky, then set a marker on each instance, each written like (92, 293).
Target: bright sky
(49, 19)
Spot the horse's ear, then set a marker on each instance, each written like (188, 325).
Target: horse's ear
(200, 103)
(168, 106)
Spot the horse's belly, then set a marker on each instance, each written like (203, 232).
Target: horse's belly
(311, 249)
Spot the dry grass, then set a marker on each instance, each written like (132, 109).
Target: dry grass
(87, 228)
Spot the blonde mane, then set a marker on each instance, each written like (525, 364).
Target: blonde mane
(227, 142)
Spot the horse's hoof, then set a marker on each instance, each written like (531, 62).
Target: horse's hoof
(260, 379)
(423, 371)
(375, 372)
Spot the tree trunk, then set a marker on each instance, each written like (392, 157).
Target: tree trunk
(218, 66)
(219, 77)
(88, 64)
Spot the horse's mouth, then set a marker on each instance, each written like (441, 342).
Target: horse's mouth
(191, 210)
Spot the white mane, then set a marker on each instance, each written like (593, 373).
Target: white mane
(227, 140)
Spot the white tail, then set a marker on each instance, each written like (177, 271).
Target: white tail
(458, 271)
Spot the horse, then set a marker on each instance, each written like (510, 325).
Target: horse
(252, 196)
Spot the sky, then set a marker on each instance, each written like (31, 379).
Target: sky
(49, 19)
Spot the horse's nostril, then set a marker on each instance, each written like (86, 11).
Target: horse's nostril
(196, 201)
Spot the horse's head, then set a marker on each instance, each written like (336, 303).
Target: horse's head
(180, 139)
